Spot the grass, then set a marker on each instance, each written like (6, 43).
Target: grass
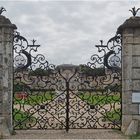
(23, 120)
(35, 98)
(100, 99)
(114, 116)
(137, 136)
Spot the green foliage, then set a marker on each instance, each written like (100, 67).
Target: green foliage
(22, 119)
(88, 71)
(19, 115)
(93, 99)
(20, 87)
(137, 136)
(36, 98)
(114, 116)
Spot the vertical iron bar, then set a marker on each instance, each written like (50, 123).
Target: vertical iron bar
(67, 106)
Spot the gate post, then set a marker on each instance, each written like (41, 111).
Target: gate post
(130, 31)
(6, 75)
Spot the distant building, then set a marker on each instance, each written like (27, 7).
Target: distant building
(66, 67)
(87, 78)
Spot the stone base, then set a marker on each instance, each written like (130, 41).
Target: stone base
(132, 128)
(1, 136)
(4, 130)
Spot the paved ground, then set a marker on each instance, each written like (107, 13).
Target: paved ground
(73, 134)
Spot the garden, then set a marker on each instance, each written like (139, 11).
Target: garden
(34, 98)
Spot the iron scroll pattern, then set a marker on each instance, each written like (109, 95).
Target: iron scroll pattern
(36, 104)
(66, 96)
(96, 89)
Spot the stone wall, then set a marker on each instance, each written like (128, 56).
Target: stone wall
(6, 75)
(130, 31)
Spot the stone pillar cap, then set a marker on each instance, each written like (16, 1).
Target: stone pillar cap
(132, 22)
(5, 22)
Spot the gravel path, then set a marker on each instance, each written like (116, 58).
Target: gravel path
(72, 134)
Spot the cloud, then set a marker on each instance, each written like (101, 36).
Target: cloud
(68, 30)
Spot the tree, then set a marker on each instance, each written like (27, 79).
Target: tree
(100, 71)
(41, 72)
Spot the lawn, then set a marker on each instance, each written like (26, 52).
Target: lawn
(134, 137)
(92, 98)
(23, 120)
(114, 116)
(35, 98)
(99, 99)
(102, 99)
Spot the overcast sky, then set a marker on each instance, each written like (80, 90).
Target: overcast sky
(68, 30)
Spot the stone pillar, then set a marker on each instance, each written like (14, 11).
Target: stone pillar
(130, 31)
(6, 75)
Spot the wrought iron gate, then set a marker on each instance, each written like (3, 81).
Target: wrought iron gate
(66, 96)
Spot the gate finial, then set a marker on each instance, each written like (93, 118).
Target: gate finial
(33, 41)
(101, 42)
(2, 9)
(134, 11)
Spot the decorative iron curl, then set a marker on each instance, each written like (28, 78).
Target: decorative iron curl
(87, 99)
(25, 50)
(113, 47)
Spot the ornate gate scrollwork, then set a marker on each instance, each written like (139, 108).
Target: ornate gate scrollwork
(67, 96)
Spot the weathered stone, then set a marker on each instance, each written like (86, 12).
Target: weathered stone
(139, 110)
(136, 32)
(1, 58)
(128, 40)
(127, 50)
(132, 128)
(136, 117)
(136, 62)
(6, 74)
(1, 47)
(1, 106)
(127, 61)
(127, 84)
(136, 40)
(126, 119)
(136, 85)
(5, 22)
(130, 109)
(131, 23)
(130, 31)
(136, 73)
(127, 67)
(126, 96)
(127, 35)
(136, 50)
(1, 37)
